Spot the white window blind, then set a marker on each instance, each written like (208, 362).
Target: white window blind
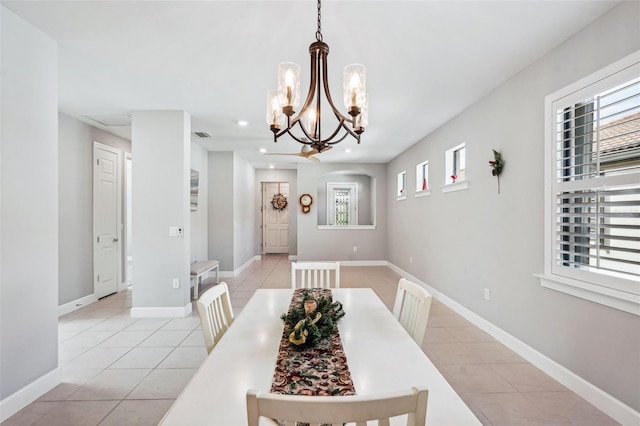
(596, 189)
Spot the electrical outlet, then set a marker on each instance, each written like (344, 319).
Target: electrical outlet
(410, 259)
(355, 249)
(487, 294)
(176, 283)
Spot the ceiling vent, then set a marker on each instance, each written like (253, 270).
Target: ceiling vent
(202, 134)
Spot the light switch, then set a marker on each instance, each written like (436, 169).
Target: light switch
(176, 231)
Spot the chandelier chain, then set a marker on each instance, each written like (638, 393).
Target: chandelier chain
(319, 32)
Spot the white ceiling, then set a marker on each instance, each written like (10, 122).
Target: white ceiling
(426, 61)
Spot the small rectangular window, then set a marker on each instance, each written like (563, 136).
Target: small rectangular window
(422, 177)
(402, 184)
(455, 164)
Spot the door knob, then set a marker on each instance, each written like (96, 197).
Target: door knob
(115, 240)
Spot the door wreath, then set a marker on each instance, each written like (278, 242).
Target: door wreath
(279, 202)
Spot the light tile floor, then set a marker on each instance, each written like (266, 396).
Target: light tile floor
(119, 370)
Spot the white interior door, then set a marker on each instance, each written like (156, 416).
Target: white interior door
(106, 219)
(275, 223)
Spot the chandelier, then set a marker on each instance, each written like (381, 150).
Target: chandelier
(283, 102)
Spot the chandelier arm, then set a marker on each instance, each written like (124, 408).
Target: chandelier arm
(329, 142)
(348, 132)
(351, 132)
(307, 140)
(327, 93)
(335, 132)
(312, 86)
(301, 140)
(317, 132)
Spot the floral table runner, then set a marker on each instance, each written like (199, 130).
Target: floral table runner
(319, 370)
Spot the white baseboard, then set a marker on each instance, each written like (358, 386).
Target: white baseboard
(363, 263)
(76, 304)
(25, 396)
(352, 262)
(293, 257)
(606, 403)
(245, 265)
(161, 312)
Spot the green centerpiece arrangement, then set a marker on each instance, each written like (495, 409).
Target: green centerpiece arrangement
(313, 319)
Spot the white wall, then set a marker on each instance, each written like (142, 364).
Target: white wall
(464, 242)
(232, 219)
(28, 213)
(220, 205)
(244, 222)
(199, 229)
(337, 244)
(275, 175)
(75, 190)
(161, 148)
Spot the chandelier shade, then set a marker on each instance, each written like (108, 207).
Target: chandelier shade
(305, 124)
(275, 117)
(289, 84)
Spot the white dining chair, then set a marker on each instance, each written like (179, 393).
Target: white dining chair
(411, 308)
(338, 410)
(216, 314)
(315, 275)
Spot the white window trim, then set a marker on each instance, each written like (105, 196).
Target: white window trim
(624, 69)
(458, 186)
(419, 181)
(343, 227)
(422, 194)
(403, 195)
(448, 166)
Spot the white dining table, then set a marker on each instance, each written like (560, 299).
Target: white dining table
(381, 356)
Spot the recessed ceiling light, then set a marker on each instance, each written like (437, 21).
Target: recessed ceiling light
(243, 123)
(263, 150)
(271, 166)
(347, 150)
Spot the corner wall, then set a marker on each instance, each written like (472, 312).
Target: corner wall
(199, 229)
(463, 242)
(161, 146)
(244, 224)
(28, 213)
(220, 204)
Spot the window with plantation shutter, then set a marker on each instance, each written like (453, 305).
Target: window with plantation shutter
(593, 217)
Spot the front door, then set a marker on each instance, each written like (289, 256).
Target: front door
(106, 213)
(275, 223)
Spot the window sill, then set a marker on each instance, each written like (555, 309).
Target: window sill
(458, 186)
(422, 194)
(616, 299)
(346, 227)
(401, 197)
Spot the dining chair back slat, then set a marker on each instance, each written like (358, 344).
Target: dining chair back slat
(216, 314)
(411, 308)
(293, 410)
(315, 275)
